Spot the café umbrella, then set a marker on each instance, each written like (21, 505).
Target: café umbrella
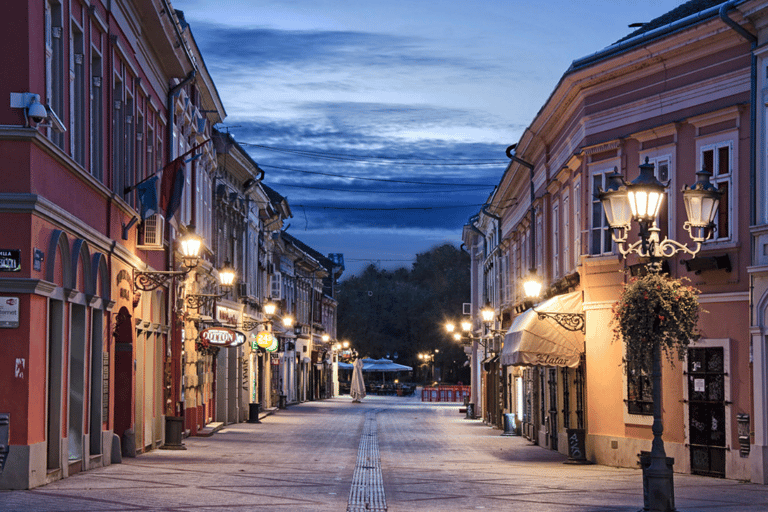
(357, 387)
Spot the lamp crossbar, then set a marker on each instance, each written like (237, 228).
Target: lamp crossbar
(147, 281)
(568, 321)
(198, 300)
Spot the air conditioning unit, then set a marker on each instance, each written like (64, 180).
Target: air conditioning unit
(244, 289)
(275, 286)
(152, 232)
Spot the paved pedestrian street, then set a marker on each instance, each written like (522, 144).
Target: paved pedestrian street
(386, 453)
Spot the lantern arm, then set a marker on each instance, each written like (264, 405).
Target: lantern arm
(668, 248)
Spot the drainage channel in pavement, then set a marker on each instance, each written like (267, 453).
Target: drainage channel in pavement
(367, 492)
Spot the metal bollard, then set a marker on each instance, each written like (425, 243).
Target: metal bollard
(253, 412)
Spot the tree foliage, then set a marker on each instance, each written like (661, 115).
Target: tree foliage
(383, 312)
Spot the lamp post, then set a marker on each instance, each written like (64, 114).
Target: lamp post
(641, 201)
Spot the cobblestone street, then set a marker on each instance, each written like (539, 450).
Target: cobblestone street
(387, 453)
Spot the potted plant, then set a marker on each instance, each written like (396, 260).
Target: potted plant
(655, 309)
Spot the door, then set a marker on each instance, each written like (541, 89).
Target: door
(706, 411)
(552, 416)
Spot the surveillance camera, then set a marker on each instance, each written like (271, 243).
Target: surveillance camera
(36, 111)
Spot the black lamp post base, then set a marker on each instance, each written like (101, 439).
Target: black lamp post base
(658, 486)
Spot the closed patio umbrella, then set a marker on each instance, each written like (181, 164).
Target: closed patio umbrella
(357, 388)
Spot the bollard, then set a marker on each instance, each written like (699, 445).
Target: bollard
(174, 428)
(509, 425)
(253, 412)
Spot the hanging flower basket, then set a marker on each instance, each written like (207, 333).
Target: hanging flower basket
(656, 310)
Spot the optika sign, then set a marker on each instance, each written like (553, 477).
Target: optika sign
(220, 337)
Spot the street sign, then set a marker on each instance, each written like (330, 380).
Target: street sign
(9, 312)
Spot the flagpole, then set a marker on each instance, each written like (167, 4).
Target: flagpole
(127, 190)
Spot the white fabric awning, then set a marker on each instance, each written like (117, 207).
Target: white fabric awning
(534, 342)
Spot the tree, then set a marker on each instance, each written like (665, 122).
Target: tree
(382, 312)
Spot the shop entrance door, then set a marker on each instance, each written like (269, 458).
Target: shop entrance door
(706, 411)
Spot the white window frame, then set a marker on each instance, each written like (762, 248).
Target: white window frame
(577, 223)
(566, 238)
(714, 144)
(556, 239)
(603, 170)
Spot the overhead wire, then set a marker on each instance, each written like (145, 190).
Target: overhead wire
(376, 158)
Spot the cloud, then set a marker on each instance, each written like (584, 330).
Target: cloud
(264, 47)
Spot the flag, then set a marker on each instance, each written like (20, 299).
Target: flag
(172, 186)
(147, 192)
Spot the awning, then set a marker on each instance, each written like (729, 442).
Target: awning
(534, 342)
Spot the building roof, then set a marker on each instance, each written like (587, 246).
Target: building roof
(678, 13)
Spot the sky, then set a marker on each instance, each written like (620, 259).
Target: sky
(385, 123)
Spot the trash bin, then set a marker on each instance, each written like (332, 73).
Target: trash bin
(253, 412)
(470, 411)
(282, 402)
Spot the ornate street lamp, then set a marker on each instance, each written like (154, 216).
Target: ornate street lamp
(641, 201)
(226, 279)
(190, 245)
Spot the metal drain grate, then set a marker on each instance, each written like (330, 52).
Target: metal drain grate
(367, 492)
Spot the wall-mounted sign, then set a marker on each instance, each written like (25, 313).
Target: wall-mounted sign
(10, 260)
(227, 315)
(221, 337)
(267, 341)
(9, 312)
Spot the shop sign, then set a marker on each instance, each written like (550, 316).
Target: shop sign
(267, 341)
(227, 315)
(221, 337)
(10, 260)
(9, 312)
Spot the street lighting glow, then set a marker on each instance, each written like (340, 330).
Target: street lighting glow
(288, 321)
(466, 326)
(487, 314)
(270, 308)
(450, 326)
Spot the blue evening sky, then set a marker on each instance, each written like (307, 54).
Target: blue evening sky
(384, 123)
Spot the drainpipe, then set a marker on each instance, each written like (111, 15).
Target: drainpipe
(512, 156)
(752, 39)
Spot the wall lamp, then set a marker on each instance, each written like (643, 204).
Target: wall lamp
(226, 279)
(190, 245)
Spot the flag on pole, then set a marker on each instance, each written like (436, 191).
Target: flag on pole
(147, 192)
(172, 186)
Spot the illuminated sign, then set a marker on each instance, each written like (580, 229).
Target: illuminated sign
(267, 341)
(221, 337)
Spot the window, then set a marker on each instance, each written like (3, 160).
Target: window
(118, 138)
(54, 64)
(556, 240)
(77, 109)
(130, 154)
(600, 232)
(639, 388)
(566, 233)
(97, 122)
(576, 223)
(718, 159)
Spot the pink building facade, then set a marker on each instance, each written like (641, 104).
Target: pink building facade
(679, 92)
